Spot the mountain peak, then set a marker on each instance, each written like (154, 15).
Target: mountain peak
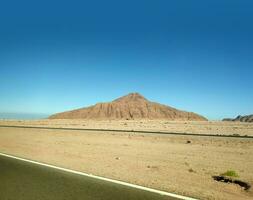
(131, 97)
(132, 106)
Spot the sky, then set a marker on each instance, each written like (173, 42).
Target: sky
(194, 55)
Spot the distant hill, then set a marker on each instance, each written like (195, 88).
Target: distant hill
(239, 118)
(131, 106)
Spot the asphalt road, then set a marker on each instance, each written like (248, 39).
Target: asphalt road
(20, 180)
(132, 131)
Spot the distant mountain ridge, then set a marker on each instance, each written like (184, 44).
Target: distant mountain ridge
(132, 106)
(22, 116)
(239, 118)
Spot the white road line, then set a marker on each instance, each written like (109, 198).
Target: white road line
(102, 178)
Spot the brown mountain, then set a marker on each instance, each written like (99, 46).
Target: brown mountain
(131, 106)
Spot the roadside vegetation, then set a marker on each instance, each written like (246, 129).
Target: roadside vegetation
(230, 173)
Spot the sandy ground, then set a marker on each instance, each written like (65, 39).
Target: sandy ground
(164, 162)
(198, 127)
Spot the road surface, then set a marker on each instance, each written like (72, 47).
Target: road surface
(133, 131)
(22, 180)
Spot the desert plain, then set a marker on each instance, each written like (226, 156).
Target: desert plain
(182, 164)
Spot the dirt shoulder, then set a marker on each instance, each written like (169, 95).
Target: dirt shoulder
(180, 164)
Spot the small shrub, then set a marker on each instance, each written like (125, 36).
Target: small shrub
(191, 170)
(230, 173)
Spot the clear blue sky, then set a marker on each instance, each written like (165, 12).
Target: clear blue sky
(194, 55)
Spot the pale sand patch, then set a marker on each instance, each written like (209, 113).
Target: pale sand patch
(162, 162)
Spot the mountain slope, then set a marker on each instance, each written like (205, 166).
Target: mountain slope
(239, 118)
(131, 106)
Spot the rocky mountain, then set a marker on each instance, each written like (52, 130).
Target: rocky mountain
(131, 106)
(239, 118)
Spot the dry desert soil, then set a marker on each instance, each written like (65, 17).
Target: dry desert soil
(174, 163)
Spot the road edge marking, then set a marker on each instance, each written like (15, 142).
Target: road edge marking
(101, 178)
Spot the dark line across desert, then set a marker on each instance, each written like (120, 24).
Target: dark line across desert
(132, 131)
